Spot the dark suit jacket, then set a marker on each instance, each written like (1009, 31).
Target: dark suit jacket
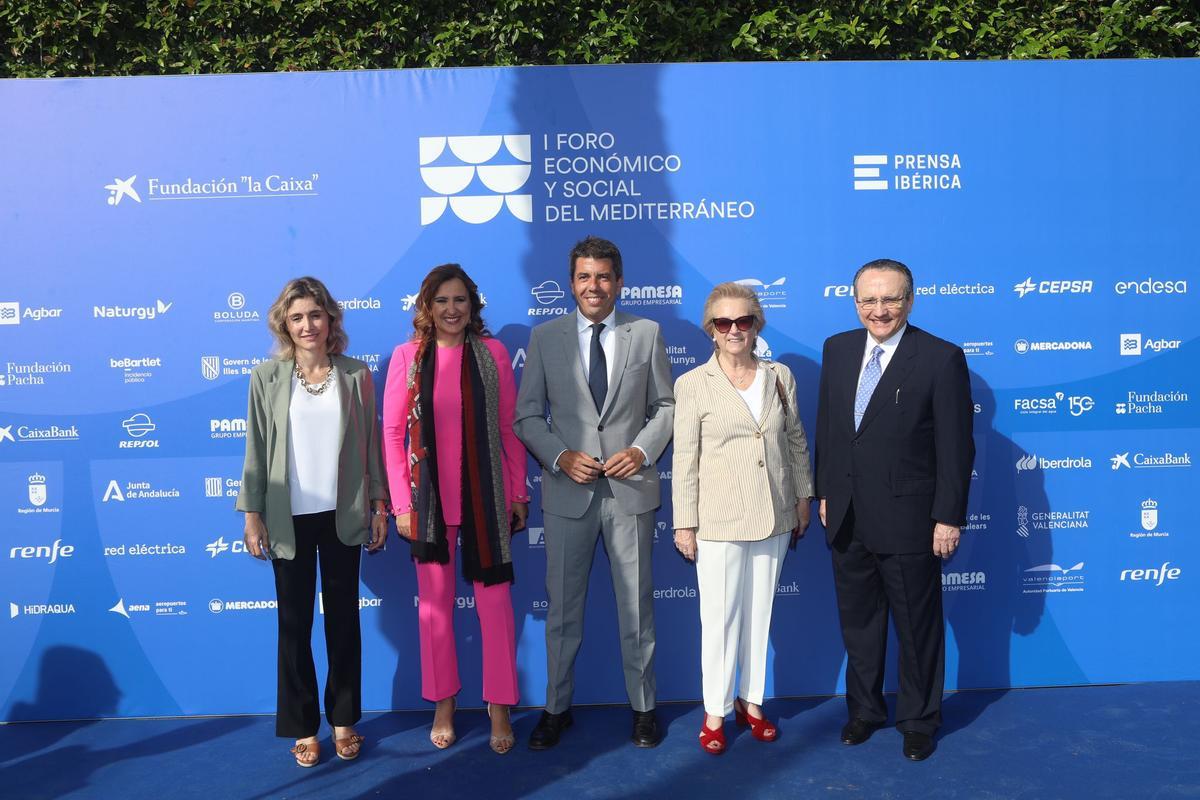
(909, 463)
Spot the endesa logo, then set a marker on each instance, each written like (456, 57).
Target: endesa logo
(1030, 286)
(1151, 286)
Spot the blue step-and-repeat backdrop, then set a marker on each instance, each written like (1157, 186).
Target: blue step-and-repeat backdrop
(1048, 211)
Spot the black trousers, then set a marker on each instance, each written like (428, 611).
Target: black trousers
(297, 713)
(909, 586)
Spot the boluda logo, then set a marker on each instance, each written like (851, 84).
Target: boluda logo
(1156, 576)
(1028, 286)
(132, 312)
(236, 310)
(451, 164)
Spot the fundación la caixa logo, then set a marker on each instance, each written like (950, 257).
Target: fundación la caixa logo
(460, 168)
(122, 188)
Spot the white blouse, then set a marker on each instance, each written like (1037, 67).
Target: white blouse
(752, 394)
(313, 439)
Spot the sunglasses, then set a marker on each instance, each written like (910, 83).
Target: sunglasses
(723, 324)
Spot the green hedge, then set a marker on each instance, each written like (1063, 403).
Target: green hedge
(122, 37)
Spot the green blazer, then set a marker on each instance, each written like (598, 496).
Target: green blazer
(265, 473)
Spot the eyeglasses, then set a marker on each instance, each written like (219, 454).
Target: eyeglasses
(890, 303)
(723, 324)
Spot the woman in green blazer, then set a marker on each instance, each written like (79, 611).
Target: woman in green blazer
(312, 473)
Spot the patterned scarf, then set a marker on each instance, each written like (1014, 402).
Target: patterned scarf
(484, 531)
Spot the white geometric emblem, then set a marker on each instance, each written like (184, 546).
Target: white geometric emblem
(210, 367)
(37, 489)
(1149, 515)
(449, 181)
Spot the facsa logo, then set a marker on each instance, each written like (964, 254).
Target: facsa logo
(122, 188)
(468, 157)
(1156, 575)
(1028, 286)
(1078, 405)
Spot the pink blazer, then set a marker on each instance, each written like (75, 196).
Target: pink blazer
(449, 434)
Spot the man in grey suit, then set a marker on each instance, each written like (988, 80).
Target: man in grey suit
(605, 379)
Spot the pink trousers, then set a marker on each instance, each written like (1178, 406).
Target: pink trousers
(435, 617)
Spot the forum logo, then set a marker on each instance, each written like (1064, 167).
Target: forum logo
(450, 166)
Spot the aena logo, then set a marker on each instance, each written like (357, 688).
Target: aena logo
(122, 188)
(451, 174)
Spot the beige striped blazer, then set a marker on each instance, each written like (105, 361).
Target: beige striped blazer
(735, 478)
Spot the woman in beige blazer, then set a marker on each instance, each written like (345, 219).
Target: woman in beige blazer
(741, 482)
(313, 470)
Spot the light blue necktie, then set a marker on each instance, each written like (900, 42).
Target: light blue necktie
(866, 387)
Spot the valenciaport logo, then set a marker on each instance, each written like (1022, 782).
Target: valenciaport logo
(1053, 579)
(1024, 346)
(1140, 460)
(235, 310)
(476, 177)
(907, 172)
(138, 428)
(1051, 404)
(771, 294)
(964, 581)
(44, 433)
(1133, 344)
(1155, 576)
(10, 313)
(143, 313)
(1150, 403)
(233, 428)
(549, 295)
(1032, 461)
(1030, 286)
(1151, 286)
(122, 188)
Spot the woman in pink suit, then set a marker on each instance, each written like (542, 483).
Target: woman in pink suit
(457, 473)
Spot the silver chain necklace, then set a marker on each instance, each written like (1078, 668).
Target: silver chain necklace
(319, 388)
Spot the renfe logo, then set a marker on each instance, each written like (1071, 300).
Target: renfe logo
(1157, 575)
(50, 552)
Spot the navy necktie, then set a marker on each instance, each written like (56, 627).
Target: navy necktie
(598, 369)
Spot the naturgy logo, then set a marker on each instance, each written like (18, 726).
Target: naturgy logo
(450, 175)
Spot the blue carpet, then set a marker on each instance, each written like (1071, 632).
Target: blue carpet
(1130, 741)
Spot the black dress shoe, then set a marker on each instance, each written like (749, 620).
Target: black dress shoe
(549, 728)
(857, 731)
(645, 729)
(917, 746)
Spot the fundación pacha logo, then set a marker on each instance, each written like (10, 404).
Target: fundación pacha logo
(122, 188)
(451, 164)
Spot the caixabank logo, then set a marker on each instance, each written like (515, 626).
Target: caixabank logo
(476, 177)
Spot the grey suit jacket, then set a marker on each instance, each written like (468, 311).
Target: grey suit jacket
(265, 472)
(736, 478)
(638, 410)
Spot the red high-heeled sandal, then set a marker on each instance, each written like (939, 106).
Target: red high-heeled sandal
(762, 729)
(713, 742)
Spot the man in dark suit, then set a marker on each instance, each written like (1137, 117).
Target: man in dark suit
(894, 455)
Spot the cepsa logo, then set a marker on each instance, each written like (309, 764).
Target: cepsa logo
(1029, 286)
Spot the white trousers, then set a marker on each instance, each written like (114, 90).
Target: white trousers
(737, 583)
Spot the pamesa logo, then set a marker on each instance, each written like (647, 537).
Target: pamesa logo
(451, 174)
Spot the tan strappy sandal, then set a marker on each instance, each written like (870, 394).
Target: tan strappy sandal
(348, 748)
(303, 751)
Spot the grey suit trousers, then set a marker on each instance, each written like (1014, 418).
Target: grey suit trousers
(570, 549)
